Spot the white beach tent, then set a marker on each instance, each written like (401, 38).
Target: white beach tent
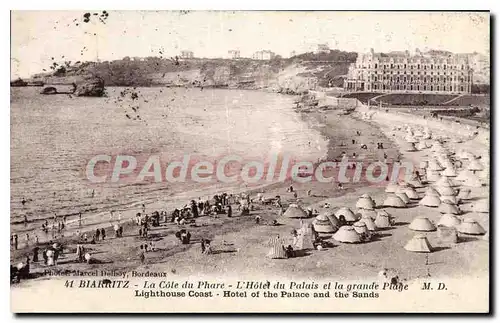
(418, 243)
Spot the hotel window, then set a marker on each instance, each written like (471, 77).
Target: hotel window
(418, 66)
(405, 66)
(444, 66)
(376, 65)
(432, 66)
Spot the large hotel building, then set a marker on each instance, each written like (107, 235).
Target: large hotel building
(431, 72)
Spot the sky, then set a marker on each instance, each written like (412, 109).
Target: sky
(37, 36)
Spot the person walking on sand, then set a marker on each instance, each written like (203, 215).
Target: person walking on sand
(15, 241)
(25, 220)
(79, 219)
(97, 234)
(27, 240)
(142, 257)
(103, 234)
(36, 240)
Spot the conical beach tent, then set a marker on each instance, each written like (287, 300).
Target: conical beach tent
(322, 224)
(347, 234)
(463, 175)
(330, 215)
(360, 227)
(432, 191)
(411, 193)
(383, 220)
(365, 203)
(393, 200)
(430, 201)
(403, 197)
(475, 165)
(422, 224)
(450, 199)
(391, 188)
(434, 165)
(444, 182)
(448, 208)
(449, 220)
(472, 180)
(481, 206)
(449, 172)
(347, 214)
(422, 145)
(446, 190)
(464, 193)
(370, 224)
(470, 226)
(367, 213)
(432, 176)
(295, 211)
(419, 243)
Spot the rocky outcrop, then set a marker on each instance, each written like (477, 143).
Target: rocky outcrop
(49, 90)
(90, 87)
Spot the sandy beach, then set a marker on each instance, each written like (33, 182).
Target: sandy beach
(240, 244)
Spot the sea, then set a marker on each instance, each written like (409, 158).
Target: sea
(54, 136)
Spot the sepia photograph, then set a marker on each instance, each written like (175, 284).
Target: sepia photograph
(189, 161)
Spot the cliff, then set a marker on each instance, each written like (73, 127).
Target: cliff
(292, 75)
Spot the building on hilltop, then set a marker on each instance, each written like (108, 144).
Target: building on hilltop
(186, 54)
(263, 55)
(233, 54)
(322, 48)
(430, 72)
(293, 53)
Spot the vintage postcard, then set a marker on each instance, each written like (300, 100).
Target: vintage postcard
(250, 161)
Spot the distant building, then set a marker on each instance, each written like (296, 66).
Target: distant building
(430, 72)
(322, 48)
(263, 55)
(187, 54)
(233, 54)
(293, 53)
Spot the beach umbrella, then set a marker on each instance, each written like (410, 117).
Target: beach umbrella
(410, 147)
(470, 226)
(393, 200)
(416, 182)
(422, 224)
(449, 220)
(347, 234)
(418, 243)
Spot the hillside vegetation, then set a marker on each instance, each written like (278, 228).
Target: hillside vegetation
(296, 74)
